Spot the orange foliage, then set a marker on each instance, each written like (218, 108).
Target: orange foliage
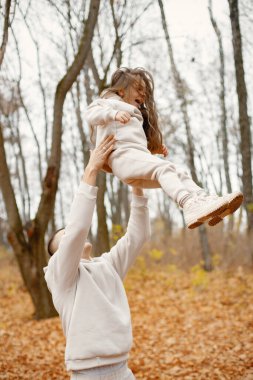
(186, 325)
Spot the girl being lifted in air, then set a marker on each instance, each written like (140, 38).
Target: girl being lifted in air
(127, 110)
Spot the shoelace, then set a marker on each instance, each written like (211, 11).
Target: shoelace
(192, 200)
(202, 198)
(205, 196)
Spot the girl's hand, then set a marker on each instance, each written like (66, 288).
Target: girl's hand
(123, 117)
(100, 154)
(162, 150)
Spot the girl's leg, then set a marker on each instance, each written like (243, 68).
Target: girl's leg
(234, 200)
(136, 167)
(188, 182)
(132, 166)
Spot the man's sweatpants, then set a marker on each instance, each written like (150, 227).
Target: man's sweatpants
(118, 371)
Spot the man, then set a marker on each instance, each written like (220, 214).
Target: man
(88, 292)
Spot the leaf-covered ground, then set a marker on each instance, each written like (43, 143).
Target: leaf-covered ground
(186, 325)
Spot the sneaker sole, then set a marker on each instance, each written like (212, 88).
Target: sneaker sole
(193, 225)
(196, 223)
(233, 205)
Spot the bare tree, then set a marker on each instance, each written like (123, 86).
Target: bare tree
(222, 97)
(223, 110)
(102, 243)
(181, 89)
(118, 15)
(29, 248)
(244, 121)
(19, 101)
(42, 89)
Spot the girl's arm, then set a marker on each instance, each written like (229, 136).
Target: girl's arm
(99, 112)
(162, 150)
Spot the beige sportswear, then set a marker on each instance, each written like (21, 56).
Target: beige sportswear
(89, 294)
(131, 161)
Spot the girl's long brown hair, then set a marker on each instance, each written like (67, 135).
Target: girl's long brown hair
(122, 79)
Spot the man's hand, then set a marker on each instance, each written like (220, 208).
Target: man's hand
(138, 191)
(97, 159)
(123, 117)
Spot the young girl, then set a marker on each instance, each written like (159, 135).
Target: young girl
(127, 110)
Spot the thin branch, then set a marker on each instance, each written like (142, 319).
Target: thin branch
(25, 108)
(14, 218)
(118, 40)
(43, 92)
(50, 184)
(5, 30)
(137, 18)
(59, 11)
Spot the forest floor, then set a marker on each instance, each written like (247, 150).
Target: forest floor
(186, 325)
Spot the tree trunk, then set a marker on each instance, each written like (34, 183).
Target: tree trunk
(244, 120)
(5, 30)
(126, 204)
(103, 239)
(205, 248)
(181, 88)
(84, 142)
(28, 245)
(3, 232)
(223, 117)
(31, 268)
(116, 201)
(118, 40)
(29, 248)
(102, 242)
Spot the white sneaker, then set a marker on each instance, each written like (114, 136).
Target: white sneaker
(235, 200)
(201, 208)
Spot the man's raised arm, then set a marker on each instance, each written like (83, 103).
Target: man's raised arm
(63, 266)
(123, 254)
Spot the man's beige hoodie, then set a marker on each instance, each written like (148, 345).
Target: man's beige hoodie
(89, 294)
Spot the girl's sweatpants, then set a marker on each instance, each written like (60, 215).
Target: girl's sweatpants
(142, 169)
(119, 371)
